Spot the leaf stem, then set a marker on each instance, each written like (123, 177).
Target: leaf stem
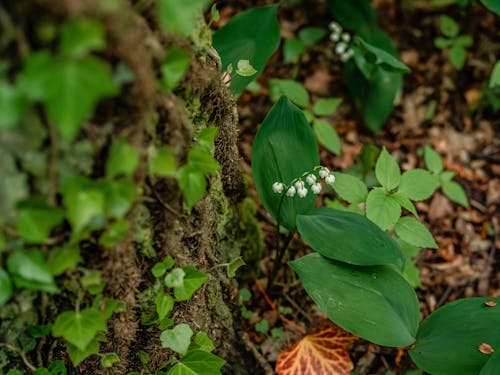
(20, 353)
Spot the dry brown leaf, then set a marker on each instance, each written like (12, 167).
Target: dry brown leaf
(485, 348)
(324, 352)
(490, 303)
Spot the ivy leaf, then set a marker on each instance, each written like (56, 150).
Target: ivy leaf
(292, 89)
(80, 36)
(387, 171)
(198, 362)
(174, 67)
(202, 342)
(175, 278)
(192, 183)
(79, 328)
(5, 286)
(382, 208)
(455, 192)
(115, 233)
(415, 233)
(123, 159)
(160, 268)
(325, 351)
(119, 196)
(109, 359)
(327, 136)
(201, 159)
(164, 305)
(36, 220)
(63, 258)
(162, 162)
(77, 355)
(418, 184)
(193, 279)
(177, 338)
(29, 270)
(349, 188)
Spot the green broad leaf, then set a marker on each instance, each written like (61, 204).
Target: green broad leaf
(160, 268)
(492, 5)
(77, 355)
(448, 340)
(115, 233)
(327, 136)
(387, 171)
(433, 160)
(201, 159)
(119, 196)
(29, 269)
(80, 36)
(292, 89)
(448, 26)
(193, 279)
(180, 16)
(164, 305)
(198, 362)
(326, 106)
(202, 342)
(353, 14)
(193, 184)
(252, 35)
(5, 287)
(15, 372)
(122, 159)
(491, 367)
(245, 69)
(372, 302)
(84, 203)
(79, 328)
(292, 48)
(457, 55)
(174, 68)
(405, 202)
(382, 208)
(464, 41)
(177, 338)
(109, 359)
(455, 192)
(418, 184)
(12, 105)
(411, 273)
(443, 43)
(111, 306)
(206, 137)
(36, 219)
(348, 237)
(415, 233)
(380, 57)
(234, 266)
(161, 161)
(175, 278)
(92, 281)
(494, 79)
(311, 35)
(349, 188)
(284, 148)
(63, 258)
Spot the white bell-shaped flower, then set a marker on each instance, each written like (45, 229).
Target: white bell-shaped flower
(316, 188)
(278, 187)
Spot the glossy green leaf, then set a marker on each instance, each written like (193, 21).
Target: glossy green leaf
(29, 269)
(77, 356)
(494, 78)
(12, 105)
(455, 192)
(372, 302)
(284, 148)
(382, 208)
(36, 220)
(348, 237)
(447, 341)
(175, 65)
(193, 184)
(193, 279)
(292, 89)
(80, 36)
(327, 136)
(418, 184)
(311, 35)
(448, 26)
(349, 188)
(380, 57)
(252, 35)
(492, 5)
(433, 160)
(414, 232)
(387, 171)
(79, 328)
(177, 338)
(198, 362)
(164, 305)
(353, 14)
(491, 367)
(63, 258)
(122, 159)
(326, 106)
(180, 16)
(5, 286)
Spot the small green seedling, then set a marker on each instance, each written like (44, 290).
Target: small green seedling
(453, 42)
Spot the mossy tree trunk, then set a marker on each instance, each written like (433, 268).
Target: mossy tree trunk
(206, 236)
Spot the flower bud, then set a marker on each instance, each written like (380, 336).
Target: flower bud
(324, 172)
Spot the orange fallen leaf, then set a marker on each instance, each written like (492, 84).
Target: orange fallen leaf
(490, 303)
(485, 348)
(324, 352)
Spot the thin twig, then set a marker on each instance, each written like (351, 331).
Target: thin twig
(20, 353)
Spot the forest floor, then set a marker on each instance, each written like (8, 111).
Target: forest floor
(439, 106)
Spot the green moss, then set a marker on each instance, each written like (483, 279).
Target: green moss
(251, 236)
